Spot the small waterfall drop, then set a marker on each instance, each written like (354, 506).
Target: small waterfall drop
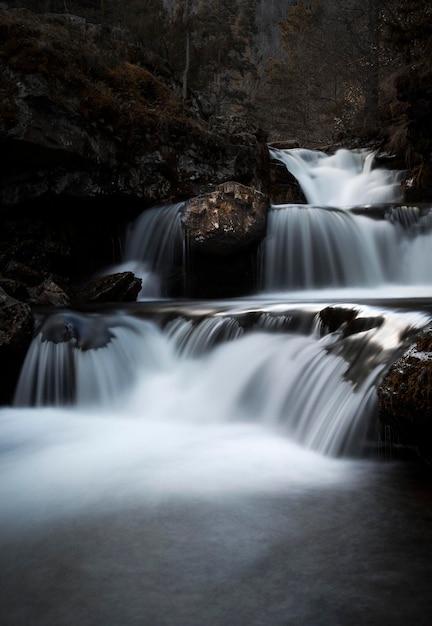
(345, 178)
(87, 359)
(154, 248)
(311, 247)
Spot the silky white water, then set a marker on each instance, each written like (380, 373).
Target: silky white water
(328, 244)
(178, 463)
(344, 179)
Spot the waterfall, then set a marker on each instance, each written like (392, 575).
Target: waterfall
(309, 247)
(261, 361)
(279, 368)
(340, 239)
(345, 178)
(94, 361)
(272, 364)
(154, 248)
(171, 461)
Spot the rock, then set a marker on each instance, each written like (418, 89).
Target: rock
(335, 318)
(120, 287)
(223, 231)
(405, 397)
(231, 218)
(409, 129)
(48, 293)
(14, 289)
(83, 332)
(16, 271)
(284, 188)
(16, 331)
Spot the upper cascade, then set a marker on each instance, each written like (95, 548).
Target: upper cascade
(346, 178)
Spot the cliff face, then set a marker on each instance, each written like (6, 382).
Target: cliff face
(92, 132)
(407, 128)
(87, 114)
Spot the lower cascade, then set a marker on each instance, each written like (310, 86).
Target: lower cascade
(174, 462)
(282, 369)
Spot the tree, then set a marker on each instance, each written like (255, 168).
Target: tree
(330, 67)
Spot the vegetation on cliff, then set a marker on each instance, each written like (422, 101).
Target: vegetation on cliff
(320, 71)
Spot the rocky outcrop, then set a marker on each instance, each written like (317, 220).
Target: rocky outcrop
(230, 219)
(86, 116)
(16, 331)
(223, 230)
(405, 397)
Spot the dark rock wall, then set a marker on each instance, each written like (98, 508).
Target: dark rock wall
(405, 397)
(92, 132)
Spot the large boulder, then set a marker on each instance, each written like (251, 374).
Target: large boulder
(231, 218)
(405, 397)
(223, 230)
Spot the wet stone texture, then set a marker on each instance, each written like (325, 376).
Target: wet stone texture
(223, 230)
(405, 397)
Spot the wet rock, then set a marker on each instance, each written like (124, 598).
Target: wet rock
(223, 230)
(335, 317)
(83, 332)
(119, 287)
(229, 219)
(15, 289)
(405, 397)
(22, 273)
(283, 187)
(48, 293)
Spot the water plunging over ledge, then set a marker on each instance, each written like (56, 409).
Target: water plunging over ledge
(185, 463)
(342, 241)
(344, 179)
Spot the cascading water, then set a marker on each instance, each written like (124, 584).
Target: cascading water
(154, 248)
(343, 179)
(352, 232)
(185, 461)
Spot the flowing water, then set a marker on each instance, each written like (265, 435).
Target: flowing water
(177, 463)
